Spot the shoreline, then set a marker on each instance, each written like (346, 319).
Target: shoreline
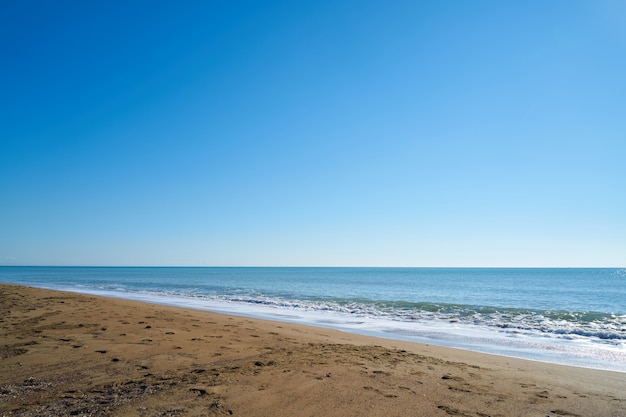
(64, 352)
(556, 356)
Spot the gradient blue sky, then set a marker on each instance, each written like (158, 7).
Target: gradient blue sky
(380, 133)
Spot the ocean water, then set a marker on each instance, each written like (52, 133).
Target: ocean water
(566, 316)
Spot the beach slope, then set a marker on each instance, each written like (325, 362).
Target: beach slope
(71, 354)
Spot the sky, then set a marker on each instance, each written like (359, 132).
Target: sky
(313, 133)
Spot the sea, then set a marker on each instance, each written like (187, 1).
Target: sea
(566, 316)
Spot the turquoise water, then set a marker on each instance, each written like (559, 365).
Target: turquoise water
(567, 316)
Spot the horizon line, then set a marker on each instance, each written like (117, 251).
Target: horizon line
(312, 266)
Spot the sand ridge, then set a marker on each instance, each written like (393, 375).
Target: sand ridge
(66, 354)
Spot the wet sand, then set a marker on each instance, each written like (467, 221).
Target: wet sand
(65, 354)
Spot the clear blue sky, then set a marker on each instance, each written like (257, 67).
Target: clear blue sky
(382, 133)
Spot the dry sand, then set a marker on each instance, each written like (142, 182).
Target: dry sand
(67, 354)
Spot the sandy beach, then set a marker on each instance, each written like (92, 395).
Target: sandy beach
(66, 354)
